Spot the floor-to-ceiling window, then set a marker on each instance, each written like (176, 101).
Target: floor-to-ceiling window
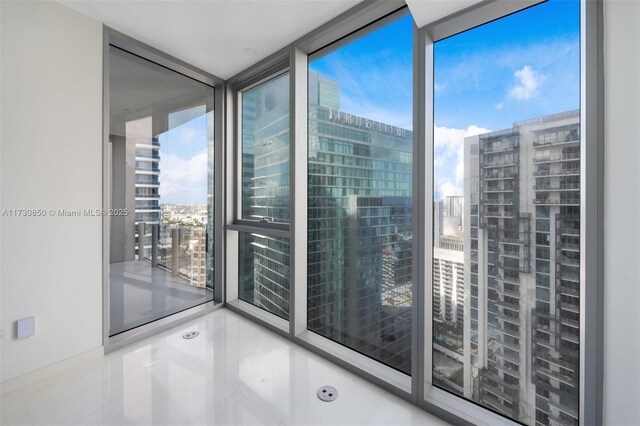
(506, 215)
(161, 217)
(426, 223)
(359, 261)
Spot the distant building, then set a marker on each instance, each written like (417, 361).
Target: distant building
(522, 241)
(438, 222)
(198, 265)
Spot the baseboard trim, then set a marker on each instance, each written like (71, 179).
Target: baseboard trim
(15, 383)
(140, 333)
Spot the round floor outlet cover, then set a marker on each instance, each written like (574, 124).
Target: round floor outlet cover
(190, 335)
(327, 393)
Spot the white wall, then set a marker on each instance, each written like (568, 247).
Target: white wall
(51, 158)
(622, 218)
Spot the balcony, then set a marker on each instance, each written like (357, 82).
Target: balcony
(556, 158)
(571, 247)
(555, 375)
(497, 174)
(559, 172)
(569, 321)
(497, 203)
(544, 354)
(565, 287)
(513, 320)
(566, 260)
(498, 164)
(568, 275)
(557, 187)
(570, 337)
(494, 149)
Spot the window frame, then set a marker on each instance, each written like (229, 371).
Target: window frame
(354, 23)
(280, 70)
(591, 210)
(267, 70)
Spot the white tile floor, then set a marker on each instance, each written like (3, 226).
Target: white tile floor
(234, 373)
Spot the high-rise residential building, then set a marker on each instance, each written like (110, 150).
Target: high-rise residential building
(448, 294)
(448, 286)
(147, 174)
(521, 239)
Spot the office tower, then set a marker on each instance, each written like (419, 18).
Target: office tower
(359, 229)
(359, 222)
(522, 212)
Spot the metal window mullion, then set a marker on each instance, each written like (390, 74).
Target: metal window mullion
(591, 212)
(219, 192)
(421, 169)
(427, 259)
(233, 168)
(298, 117)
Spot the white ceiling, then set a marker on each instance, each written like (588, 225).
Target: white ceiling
(212, 34)
(427, 11)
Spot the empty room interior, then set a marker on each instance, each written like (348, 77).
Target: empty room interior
(320, 212)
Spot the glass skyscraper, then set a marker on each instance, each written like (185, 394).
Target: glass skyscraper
(359, 220)
(359, 229)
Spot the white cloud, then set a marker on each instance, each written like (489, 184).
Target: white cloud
(449, 157)
(188, 134)
(184, 178)
(528, 82)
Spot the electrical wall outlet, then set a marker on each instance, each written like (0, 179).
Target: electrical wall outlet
(1, 333)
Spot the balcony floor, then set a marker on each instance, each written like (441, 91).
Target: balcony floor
(141, 293)
(235, 373)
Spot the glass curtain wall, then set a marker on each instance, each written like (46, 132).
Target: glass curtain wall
(506, 241)
(360, 194)
(263, 258)
(161, 191)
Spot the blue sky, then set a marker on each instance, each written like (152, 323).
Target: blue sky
(183, 158)
(375, 74)
(521, 66)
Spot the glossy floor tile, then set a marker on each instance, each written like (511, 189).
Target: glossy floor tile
(234, 373)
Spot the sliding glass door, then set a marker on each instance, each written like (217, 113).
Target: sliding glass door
(161, 191)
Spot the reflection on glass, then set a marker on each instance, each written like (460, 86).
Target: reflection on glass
(360, 195)
(264, 272)
(265, 151)
(506, 248)
(161, 142)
